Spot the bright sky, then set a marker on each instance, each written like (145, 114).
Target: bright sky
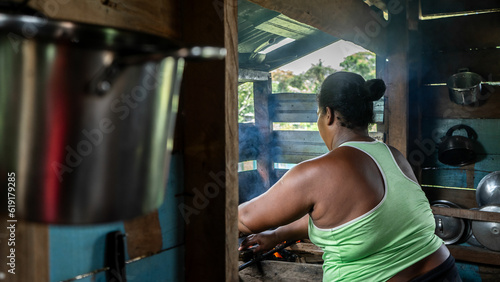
(331, 55)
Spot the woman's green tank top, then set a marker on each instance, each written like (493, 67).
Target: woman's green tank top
(395, 234)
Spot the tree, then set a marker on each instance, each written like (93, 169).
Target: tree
(309, 81)
(245, 103)
(362, 63)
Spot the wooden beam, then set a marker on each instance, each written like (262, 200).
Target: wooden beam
(160, 17)
(231, 138)
(461, 33)
(468, 214)
(351, 20)
(246, 75)
(474, 254)
(444, 7)
(296, 50)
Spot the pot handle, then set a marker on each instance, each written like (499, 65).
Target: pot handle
(188, 53)
(471, 134)
(103, 80)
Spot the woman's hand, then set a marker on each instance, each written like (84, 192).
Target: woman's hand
(265, 240)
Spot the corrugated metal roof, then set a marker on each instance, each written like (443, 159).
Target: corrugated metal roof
(260, 28)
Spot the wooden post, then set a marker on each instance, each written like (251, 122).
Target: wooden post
(395, 75)
(261, 92)
(31, 251)
(231, 127)
(209, 143)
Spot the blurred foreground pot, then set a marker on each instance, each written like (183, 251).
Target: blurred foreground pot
(86, 118)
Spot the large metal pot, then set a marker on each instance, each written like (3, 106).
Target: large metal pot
(458, 150)
(86, 118)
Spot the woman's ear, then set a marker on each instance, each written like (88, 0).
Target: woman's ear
(330, 116)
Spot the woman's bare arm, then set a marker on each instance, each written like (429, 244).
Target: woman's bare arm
(267, 240)
(290, 199)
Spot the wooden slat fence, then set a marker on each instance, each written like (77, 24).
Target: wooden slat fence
(287, 147)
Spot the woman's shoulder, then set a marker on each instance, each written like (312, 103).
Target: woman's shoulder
(403, 163)
(333, 162)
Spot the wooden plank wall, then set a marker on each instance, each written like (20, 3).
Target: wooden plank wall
(294, 146)
(465, 47)
(250, 182)
(444, 46)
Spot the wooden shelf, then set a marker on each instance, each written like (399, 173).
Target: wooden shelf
(474, 254)
(468, 214)
(471, 253)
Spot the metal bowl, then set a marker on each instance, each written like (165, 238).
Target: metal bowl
(487, 233)
(488, 190)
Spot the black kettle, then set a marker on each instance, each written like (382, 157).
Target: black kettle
(458, 150)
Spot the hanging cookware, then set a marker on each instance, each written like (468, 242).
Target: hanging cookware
(464, 87)
(86, 118)
(472, 239)
(450, 229)
(487, 233)
(458, 150)
(488, 190)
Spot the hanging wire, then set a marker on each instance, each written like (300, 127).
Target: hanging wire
(452, 168)
(92, 273)
(446, 187)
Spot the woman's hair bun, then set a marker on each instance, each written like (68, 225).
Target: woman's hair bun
(376, 89)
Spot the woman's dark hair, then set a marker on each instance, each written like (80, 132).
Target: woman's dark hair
(351, 96)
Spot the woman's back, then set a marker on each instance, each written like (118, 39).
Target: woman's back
(390, 236)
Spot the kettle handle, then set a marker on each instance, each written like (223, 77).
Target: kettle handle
(471, 134)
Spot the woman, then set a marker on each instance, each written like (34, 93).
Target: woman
(360, 202)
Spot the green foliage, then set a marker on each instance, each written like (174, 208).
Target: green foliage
(245, 103)
(362, 63)
(307, 82)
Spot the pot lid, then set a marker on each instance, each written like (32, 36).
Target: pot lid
(488, 190)
(487, 233)
(448, 228)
